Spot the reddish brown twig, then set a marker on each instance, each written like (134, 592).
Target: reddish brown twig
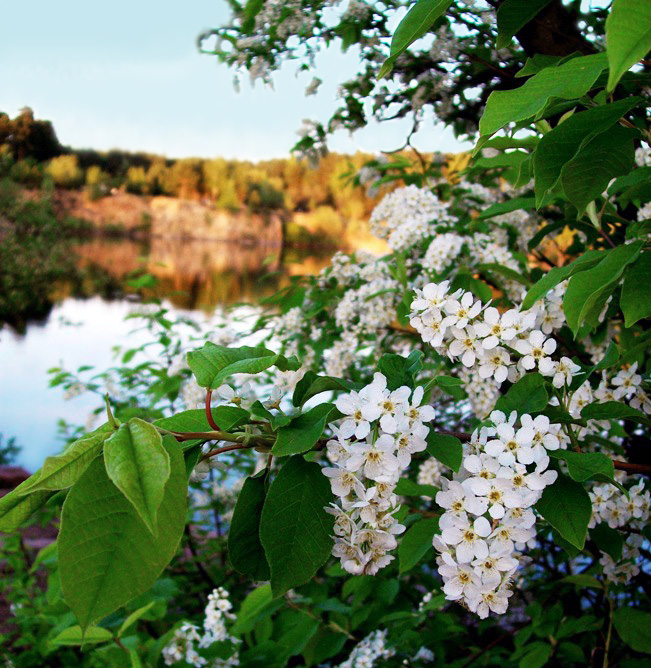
(632, 468)
(209, 417)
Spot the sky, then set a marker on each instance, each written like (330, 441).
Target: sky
(128, 75)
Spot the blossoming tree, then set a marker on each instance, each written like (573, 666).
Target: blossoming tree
(481, 389)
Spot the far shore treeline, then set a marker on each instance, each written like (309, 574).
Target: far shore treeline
(31, 152)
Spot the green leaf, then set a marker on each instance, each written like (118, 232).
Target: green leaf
(587, 175)
(584, 465)
(514, 204)
(537, 655)
(311, 385)
(628, 37)
(513, 15)
(212, 364)
(301, 629)
(608, 540)
(256, 604)
(636, 296)
(16, 508)
(400, 370)
(134, 617)
(633, 626)
(528, 395)
(295, 530)
(446, 448)
(226, 418)
(614, 410)
(245, 550)
(587, 288)
(558, 274)
(568, 81)
(419, 19)
(106, 555)
(138, 465)
(302, 432)
(559, 146)
(62, 471)
(610, 358)
(406, 487)
(567, 507)
(416, 542)
(74, 636)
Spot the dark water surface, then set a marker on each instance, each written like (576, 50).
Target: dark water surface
(192, 277)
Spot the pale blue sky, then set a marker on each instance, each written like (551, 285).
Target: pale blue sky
(128, 75)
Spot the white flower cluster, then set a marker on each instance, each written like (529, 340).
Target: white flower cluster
(374, 443)
(405, 216)
(430, 472)
(368, 651)
(488, 518)
(617, 510)
(182, 646)
(371, 306)
(460, 327)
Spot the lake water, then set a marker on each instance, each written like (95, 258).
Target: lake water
(191, 277)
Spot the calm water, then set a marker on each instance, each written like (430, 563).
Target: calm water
(192, 277)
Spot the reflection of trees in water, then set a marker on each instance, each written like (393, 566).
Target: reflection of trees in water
(195, 274)
(192, 274)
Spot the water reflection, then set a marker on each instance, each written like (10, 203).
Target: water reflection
(199, 275)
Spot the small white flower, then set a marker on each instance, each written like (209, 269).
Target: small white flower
(535, 349)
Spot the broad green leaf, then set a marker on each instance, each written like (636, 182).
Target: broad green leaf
(587, 175)
(213, 364)
(584, 465)
(514, 204)
(245, 550)
(256, 604)
(406, 487)
(557, 275)
(634, 178)
(446, 448)
(608, 540)
(559, 146)
(567, 507)
(226, 418)
(75, 636)
(311, 385)
(138, 465)
(528, 395)
(537, 655)
(301, 628)
(106, 555)
(295, 530)
(568, 81)
(400, 370)
(628, 37)
(537, 62)
(633, 626)
(416, 542)
(635, 301)
(610, 358)
(513, 15)
(324, 645)
(63, 471)
(16, 508)
(133, 618)
(614, 410)
(302, 432)
(418, 20)
(586, 288)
